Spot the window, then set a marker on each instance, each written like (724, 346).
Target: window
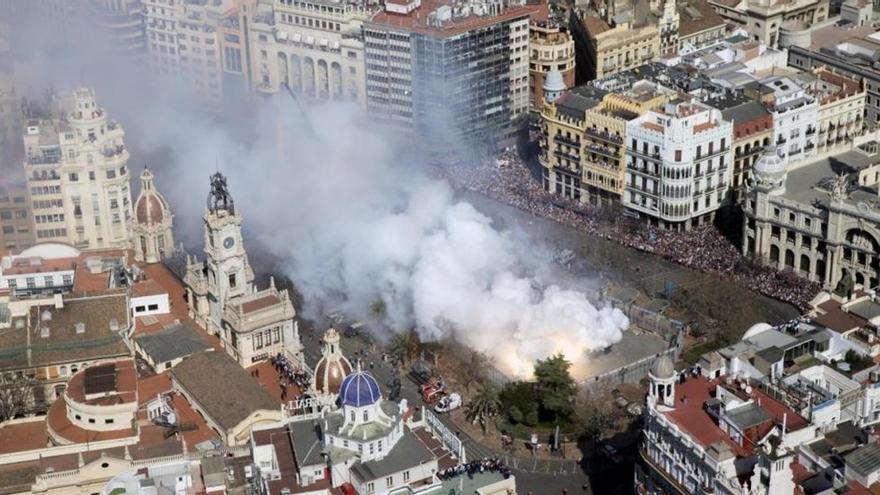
(371, 488)
(232, 280)
(678, 155)
(73, 177)
(367, 418)
(153, 307)
(258, 341)
(389, 481)
(139, 309)
(91, 175)
(92, 420)
(31, 283)
(406, 476)
(108, 421)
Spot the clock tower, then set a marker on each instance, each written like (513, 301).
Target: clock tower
(228, 270)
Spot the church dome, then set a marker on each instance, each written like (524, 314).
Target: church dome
(150, 207)
(554, 81)
(333, 367)
(359, 389)
(663, 367)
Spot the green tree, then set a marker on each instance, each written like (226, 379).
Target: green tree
(554, 386)
(484, 405)
(515, 415)
(404, 347)
(521, 396)
(378, 309)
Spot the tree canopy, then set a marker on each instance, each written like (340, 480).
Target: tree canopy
(554, 386)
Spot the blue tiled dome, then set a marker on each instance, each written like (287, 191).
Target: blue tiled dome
(359, 389)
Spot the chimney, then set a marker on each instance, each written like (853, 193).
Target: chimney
(58, 300)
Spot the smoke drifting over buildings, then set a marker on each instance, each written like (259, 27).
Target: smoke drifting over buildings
(354, 220)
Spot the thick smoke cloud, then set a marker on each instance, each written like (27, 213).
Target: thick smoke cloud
(353, 220)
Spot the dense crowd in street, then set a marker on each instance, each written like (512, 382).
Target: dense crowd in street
(486, 464)
(289, 375)
(702, 248)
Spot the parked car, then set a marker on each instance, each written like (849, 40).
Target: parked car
(449, 403)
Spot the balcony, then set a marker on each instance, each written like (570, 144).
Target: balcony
(559, 138)
(614, 138)
(653, 156)
(602, 150)
(567, 156)
(810, 130)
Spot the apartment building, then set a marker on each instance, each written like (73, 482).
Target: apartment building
(583, 142)
(605, 49)
(723, 435)
(752, 132)
(313, 48)
(16, 229)
(795, 113)
(120, 24)
(199, 47)
(551, 48)
(763, 19)
(678, 167)
(698, 25)
(840, 115)
(76, 167)
(424, 76)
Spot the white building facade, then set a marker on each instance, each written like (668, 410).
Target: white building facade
(678, 164)
(77, 174)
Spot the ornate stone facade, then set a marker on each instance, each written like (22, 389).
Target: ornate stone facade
(251, 324)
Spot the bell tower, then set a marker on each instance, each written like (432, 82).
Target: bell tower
(229, 273)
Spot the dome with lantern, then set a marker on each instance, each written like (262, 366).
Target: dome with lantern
(150, 207)
(332, 368)
(359, 389)
(152, 228)
(769, 170)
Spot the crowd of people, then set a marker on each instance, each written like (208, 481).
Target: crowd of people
(289, 375)
(702, 248)
(486, 464)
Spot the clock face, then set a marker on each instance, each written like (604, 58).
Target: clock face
(228, 242)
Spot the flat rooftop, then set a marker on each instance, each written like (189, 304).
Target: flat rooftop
(805, 184)
(631, 348)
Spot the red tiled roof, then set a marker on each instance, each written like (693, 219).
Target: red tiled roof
(835, 318)
(57, 420)
(261, 303)
(690, 414)
(692, 418)
(20, 437)
(147, 288)
(23, 265)
(126, 385)
(149, 388)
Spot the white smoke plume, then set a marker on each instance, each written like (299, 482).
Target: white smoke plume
(352, 219)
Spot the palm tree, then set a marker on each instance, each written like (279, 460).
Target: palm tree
(404, 347)
(484, 404)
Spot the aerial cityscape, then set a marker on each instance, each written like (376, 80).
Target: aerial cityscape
(439, 247)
